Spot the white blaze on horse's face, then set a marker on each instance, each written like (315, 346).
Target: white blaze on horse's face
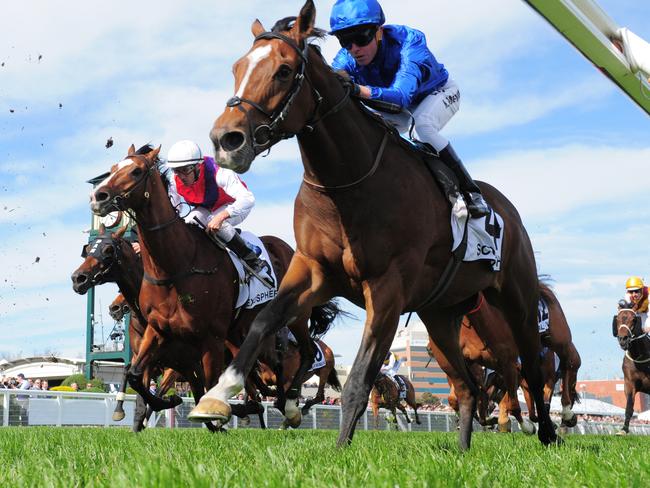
(253, 58)
(118, 166)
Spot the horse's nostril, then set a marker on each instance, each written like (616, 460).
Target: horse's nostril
(79, 279)
(101, 196)
(231, 141)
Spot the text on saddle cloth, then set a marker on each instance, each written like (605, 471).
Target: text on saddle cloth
(319, 357)
(484, 236)
(543, 319)
(251, 291)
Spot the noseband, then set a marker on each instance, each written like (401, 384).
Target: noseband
(96, 251)
(636, 322)
(265, 135)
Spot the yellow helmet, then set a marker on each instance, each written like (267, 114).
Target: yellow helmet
(634, 283)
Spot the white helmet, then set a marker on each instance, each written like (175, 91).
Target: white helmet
(184, 153)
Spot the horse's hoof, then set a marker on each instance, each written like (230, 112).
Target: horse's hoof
(245, 421)
(117, 416)
(621, 432)
(571, 421)
(527, 427)
(292, 414)
(175, 401)
(210, 409)
(505, 427)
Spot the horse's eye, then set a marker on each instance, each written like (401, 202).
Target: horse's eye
(136, 172)
(108, 251)
(284, 72)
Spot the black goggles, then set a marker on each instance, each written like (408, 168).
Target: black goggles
(360, 37)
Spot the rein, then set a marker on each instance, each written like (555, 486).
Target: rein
(264, 136)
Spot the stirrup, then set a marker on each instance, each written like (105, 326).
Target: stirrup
(476, 205)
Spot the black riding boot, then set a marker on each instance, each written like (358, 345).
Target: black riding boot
(239, 247)
(475, 203)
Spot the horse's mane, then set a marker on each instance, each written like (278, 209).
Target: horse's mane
(283, 25)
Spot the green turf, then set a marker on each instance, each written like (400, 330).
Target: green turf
(69, 457)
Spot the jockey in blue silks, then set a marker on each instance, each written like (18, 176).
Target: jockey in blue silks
(393, 63)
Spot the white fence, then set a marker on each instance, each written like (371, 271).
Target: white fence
(30, 407)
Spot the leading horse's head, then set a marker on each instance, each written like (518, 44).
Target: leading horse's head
(126, 186)
(626, 326)
(100, 256)
(269, 103)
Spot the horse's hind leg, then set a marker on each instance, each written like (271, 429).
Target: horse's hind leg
(383, 308)
(118, 414)
(443, 328)
(521, 314)
(570, 363)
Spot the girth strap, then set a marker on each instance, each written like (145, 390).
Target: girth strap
(169, 282)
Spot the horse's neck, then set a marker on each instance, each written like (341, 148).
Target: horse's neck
(130, 278)
(169, 248)
(343, 146)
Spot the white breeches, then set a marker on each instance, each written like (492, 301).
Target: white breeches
(431, 115)
(227, 231)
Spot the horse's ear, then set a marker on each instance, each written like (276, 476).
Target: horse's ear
(119, 232)
(305, 21)
(154, 154)
(257, 28)
(131, 150)
(102, 229)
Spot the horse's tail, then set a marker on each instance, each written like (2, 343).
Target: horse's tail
(333, 380)
(323, 316)
(545, 290)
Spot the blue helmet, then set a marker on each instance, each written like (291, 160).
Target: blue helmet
(352, 13)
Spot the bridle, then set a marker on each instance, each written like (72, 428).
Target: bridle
(98, 246)
(632, 336)
(263, 136)
(118, 202)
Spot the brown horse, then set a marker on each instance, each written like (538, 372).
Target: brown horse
(626, 327)
(291, 361)
(371, 225)
(190, 286)
(111, 258)
(385, 393)
(119, 308)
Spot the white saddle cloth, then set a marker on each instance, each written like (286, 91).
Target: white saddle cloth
(484, 235)
(251, 290)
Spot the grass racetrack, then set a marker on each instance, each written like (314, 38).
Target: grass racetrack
(112, 457)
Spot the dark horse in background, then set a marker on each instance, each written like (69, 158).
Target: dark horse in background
(190, 285)
(386, 394)
(626, 327)
(371, 225)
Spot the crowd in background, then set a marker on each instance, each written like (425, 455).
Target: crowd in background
(21, 383)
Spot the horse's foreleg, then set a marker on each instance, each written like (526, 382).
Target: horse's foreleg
(383, 307)
(118, 414)
(630, 393)
(300, 290)
(148, 354)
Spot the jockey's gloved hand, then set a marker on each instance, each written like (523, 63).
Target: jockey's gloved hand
(348, 83)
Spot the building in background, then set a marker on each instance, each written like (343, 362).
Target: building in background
(410, 345)
(611, 391)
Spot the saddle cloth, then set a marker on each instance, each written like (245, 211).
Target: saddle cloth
(251, 290)
(543, 319)
(319, 358)
(484, 235)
